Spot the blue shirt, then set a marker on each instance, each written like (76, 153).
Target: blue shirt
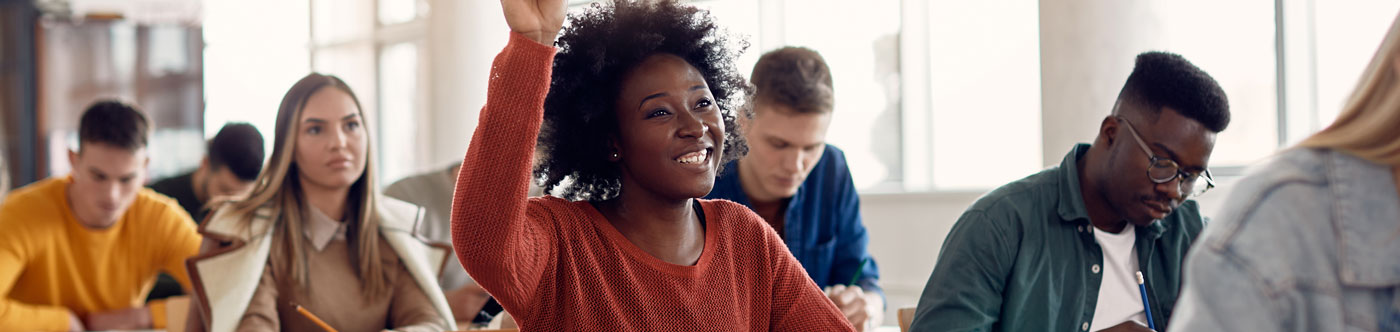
(822, 225)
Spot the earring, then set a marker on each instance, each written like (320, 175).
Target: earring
(614, 156)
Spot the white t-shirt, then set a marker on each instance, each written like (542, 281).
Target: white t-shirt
(1119, 297)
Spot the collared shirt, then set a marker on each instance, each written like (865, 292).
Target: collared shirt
(321, 229)
(1309, 241)
(822, 225)
(1023, 258)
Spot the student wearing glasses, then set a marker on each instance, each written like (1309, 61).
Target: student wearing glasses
(1059, 250)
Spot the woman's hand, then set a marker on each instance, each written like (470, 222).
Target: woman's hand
(539, 20)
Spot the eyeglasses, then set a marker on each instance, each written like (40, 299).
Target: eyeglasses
(1163, 170)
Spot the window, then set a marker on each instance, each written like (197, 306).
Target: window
(398, 98)
(930, 94)
(1347, 36)
(381, 63)
(862, 51)
(248, 67)
(983, 94)
(1234, 42)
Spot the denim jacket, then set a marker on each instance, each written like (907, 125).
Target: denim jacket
(1308, 242)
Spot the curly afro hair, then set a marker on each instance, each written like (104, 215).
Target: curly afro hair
(602, 43)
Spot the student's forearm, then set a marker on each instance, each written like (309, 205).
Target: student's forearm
(17, 316)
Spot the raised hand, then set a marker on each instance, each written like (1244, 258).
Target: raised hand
(539, 20)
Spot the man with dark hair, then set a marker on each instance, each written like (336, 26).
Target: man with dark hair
(78, 252)
(800, 185)
(233, 161)
(1061, 250)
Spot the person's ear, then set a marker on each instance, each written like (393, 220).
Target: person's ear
(203, 162)
(615, 150)
(73, 161)
(1108, 130)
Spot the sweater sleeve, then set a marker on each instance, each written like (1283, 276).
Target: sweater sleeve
(503, 248)
(798, 304)
(15, 246)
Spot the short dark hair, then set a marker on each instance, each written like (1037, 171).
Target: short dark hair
(113, 123)
(795, 77)
(1162, 79)
(598, 46)
(239, 148)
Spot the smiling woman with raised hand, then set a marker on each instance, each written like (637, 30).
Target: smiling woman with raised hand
(639, 115)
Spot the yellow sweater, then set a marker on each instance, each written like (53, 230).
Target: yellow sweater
(50, 264)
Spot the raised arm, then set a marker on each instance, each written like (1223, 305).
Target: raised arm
(503, 248)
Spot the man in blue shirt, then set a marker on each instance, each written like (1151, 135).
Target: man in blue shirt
(801, 185)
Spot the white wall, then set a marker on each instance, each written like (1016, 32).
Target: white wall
(463, 38)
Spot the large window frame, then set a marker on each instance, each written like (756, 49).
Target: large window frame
(364, 51)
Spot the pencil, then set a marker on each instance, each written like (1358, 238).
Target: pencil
(859, 269)
(1142, 287)
(314, 319)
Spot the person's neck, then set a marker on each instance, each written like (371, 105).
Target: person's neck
(198, 182)
(83, 219)
(770, 207)
(330, 201)
(1101, 216)
(666, 228)
(749, 182)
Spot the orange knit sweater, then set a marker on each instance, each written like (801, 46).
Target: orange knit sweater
(558, 265)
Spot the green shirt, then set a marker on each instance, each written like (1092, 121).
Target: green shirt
(1024, 258)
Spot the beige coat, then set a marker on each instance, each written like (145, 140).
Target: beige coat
(225, 278)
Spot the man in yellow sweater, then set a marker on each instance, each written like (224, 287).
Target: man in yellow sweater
(80, 252)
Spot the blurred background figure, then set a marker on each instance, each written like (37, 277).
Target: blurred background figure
(80, 251)
(232, 161)
(433, 192)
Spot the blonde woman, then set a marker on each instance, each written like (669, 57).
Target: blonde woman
(314, 235)
(1310, 241)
